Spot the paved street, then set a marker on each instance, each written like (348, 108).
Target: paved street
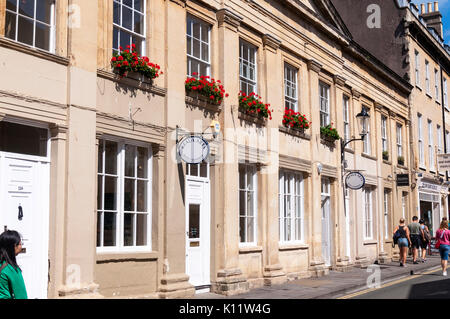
(429, 285)
(341, 284)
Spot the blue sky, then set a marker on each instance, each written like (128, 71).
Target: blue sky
(444, 8)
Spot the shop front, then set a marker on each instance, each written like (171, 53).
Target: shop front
(430, 205)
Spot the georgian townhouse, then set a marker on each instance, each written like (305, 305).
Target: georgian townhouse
(93, 158)
(410, 42)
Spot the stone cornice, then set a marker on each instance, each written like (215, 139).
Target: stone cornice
(181, 3)
(228, 19)
(339, 80)
(271, 42)
(315, 66)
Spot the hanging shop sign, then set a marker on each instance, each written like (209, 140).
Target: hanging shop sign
(193, 149)
(355, 181)
(402, 179)
(443, 162)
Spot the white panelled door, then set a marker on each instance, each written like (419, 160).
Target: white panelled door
(325, 208)
(198, 232)
(24, 200)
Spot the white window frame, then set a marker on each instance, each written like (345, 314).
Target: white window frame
(52, 26)
(427, 77)
(436, 84)
(420, 141)
(291, 190)
(368, 213)
(445, 94)
(386, 211)
(367, 147)
(190, 39)
(399, 140)
(324, 103)
(404, 204)
(439, 139)
(384, 139)
(290, 87)
(131, 33)
(120, 193)
(250, 172)
(417, 65)
(430, 146)
(346, 111)
(246, 66)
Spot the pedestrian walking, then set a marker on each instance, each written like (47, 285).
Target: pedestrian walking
(425, 239)
(415, 235)
(443, 242)
(401, 232)
(12, 285)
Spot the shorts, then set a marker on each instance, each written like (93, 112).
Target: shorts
(415, 241)
(444, 250)
(402, 242)
(423, 244)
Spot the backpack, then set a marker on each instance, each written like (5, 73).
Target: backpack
(427, 234)
(396, 237)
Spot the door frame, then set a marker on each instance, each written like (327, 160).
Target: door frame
(205, 221)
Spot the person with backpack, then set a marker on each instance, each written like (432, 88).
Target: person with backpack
(415, 233)
(12, 285)
(425, 239)
(403, 240)
(443, 243)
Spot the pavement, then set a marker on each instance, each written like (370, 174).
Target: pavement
(335, 284)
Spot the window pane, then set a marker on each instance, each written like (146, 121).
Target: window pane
(142, 196)
(142, 162)
(188, 45)
(110, 196)
(115, 39)
(250, 201)
(242, 203)
(194, 170)
(250, 229)
(25, 31)
(109, 228)
(128, 233)
(203, 170)
(196, 29)
(10, 26)
(99, 192)
(26, 8)
(116, 14)
(127, 18)
(130, 155)
(196, 48)
(43, 10)
(205, 52)
(23, 139)
(11, 5)
(194, 221)
(138, 23)
(141, 230)
(100, 157)
(99, 229)
(139, 5)
(129, 195)
(242, 229)
(138, 42)
(110, 157)
(42, 36)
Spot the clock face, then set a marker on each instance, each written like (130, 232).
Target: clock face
(355, 181)
(193, 149)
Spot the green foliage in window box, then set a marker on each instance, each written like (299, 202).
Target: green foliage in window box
(329, 132)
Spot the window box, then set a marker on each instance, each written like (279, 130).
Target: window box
(198, 100)
(329, 134)
(128, 63)
(295, 120)
(205, 89)
(401, 161)
(250, 116)
(252, 105)
(295, 132)
(386, 155)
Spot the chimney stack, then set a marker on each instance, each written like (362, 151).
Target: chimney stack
(422, 8)
(433, 18)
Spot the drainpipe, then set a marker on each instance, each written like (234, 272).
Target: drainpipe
(443, 129)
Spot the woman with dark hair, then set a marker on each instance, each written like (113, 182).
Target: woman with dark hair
(12, 285)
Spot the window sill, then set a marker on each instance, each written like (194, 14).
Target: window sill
(259, 120)
(423, 168)
(418, 86)
(295, 132)
(105, 257)
(250, 249)
(297, 246)
(13, 45)
(368, 156)
(197, 100)
(349, 150)
(387, 162)
(132, 82)
(438, 102)
(370, 242)
(429, 95)
(402, 166)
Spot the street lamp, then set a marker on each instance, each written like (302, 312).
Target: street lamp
(363, 119)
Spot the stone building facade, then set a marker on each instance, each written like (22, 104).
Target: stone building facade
(115, 213)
